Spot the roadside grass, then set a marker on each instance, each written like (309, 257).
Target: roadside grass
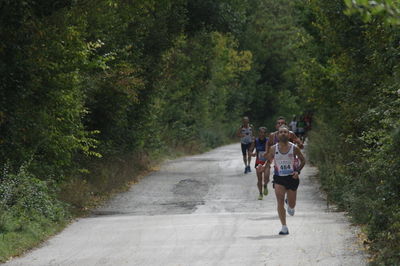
(31, 235)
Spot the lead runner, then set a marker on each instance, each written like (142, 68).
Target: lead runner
(286, 174)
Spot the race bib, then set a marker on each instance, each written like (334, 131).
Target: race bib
(285, 168)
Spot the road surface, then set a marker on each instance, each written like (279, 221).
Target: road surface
(202, 210)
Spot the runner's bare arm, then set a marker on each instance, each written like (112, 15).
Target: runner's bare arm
(253, 145)
(300, 155)
(269, 156)
(239, 132)
(269, 143)
(266, 147)
(296, 140)
(253, 137)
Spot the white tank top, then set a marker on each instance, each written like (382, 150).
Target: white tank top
(284, 163)
(248, 135)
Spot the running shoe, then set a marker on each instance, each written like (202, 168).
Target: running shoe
(290, 211)
(260, 197)
(248, 169)
(284, 230)
(265, 190)
(284, 233)
(245, 170)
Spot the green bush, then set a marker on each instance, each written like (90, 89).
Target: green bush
(29, 210)
(349, 74)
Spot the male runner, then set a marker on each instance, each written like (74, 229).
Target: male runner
(260, 144)
(273, 139)
(286, 174)
(245, 132)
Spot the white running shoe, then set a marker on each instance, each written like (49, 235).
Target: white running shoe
(290, 211)
(284, 230)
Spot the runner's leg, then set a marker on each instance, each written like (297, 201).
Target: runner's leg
(259, 172)
(266, 179)
(280, 192)
(266, 174)
(291, 197)
(244, 153)
(248, 158)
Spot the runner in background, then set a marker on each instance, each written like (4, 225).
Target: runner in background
(301, 128)
(245, 132)
(308, 121)
(260, 145)
(273, 137)
(293, 125)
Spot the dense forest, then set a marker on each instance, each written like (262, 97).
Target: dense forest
(93, 91)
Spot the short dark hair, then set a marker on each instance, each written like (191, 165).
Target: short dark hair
(284, 126)
(263, 128)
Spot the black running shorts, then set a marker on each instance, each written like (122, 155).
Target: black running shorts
(245, 148)
(287, 181)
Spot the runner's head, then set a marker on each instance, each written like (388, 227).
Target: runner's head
(246, 120)
(262, 131)
(283, 134)
(279, 122)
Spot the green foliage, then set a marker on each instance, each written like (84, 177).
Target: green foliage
(273, 36)
(90, 87)
(42, 98)
(350, 73)
(25, 195)
(105, 77)
(389, 10)
(29, 210)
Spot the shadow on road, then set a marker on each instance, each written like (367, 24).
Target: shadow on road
(264, 218)
(264, 237)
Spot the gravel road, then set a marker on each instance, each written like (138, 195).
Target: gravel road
(202, 210)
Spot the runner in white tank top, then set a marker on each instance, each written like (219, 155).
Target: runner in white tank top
(286, 174)
(245, 132)
(284, 163)
(273, 139)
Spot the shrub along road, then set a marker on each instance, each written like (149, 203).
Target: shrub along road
(202, 210)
